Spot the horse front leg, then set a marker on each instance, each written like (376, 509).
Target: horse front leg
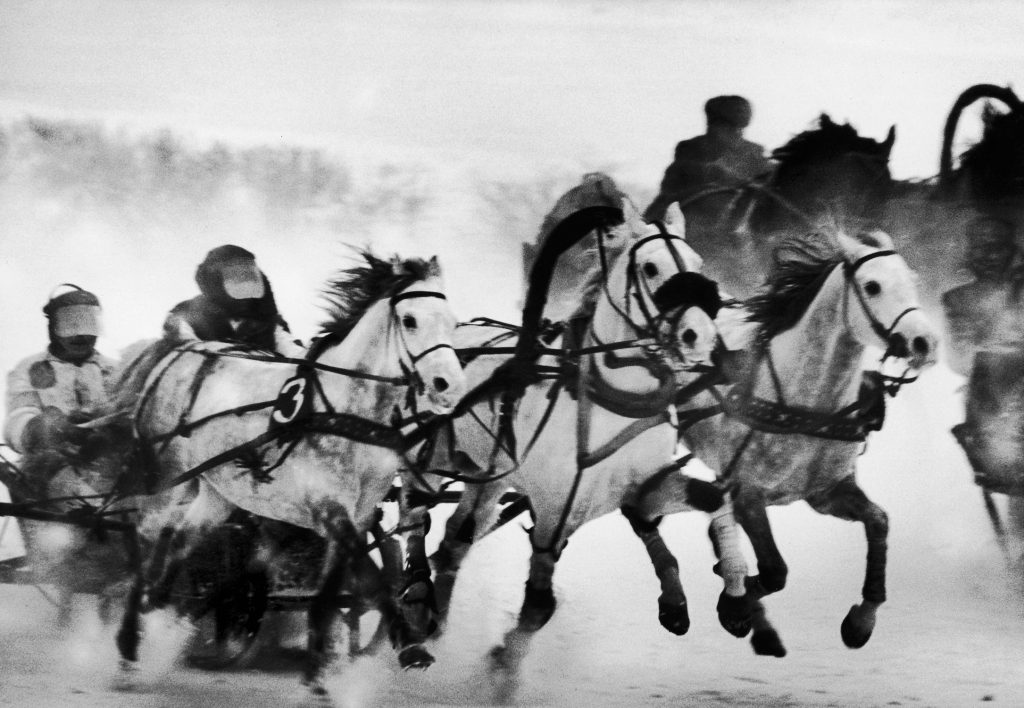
(418, 603)
(678, 492)
(473, 515)
(750, 511)
(538, 607)
(848, 501)
(672, 609)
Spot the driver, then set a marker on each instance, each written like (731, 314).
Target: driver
(49, 396)
(987, 345)
(235, 304)
(721, 157)
(50, 393)
(979, 314)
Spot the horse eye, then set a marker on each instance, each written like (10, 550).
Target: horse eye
(650, 270)
(872, 288)
(408, 321)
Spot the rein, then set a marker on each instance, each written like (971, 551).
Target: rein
(328, 422)
(853, 422)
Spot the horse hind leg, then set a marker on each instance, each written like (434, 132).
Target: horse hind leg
(344, 543)
(848, 501)
(206, 512)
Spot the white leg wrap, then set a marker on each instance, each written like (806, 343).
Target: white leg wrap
(733, 566)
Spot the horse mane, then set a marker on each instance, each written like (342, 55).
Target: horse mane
(828, 141)
(351, 292)
(800, 266)
(996, 162)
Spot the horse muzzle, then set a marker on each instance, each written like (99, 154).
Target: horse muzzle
(915, 340)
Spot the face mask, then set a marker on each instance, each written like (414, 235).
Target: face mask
(77, 320)
(242, 280)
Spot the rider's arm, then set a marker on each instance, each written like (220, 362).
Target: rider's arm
(24, 404)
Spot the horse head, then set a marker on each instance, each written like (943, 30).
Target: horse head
(882, 306)
(656, 288)
(426, 325)
(400, 306)
(830, 171)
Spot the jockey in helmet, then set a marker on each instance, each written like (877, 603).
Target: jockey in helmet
(50, 392)
(235, 304)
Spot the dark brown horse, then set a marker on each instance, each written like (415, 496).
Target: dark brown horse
(828, 176)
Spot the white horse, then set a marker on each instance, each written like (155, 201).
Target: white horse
(588, 443)
(325, 454)
(796, 419)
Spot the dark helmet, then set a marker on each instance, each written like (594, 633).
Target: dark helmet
(991, 246)
(230, 273)
(734, 111)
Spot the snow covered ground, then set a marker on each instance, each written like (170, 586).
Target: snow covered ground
(459, 100)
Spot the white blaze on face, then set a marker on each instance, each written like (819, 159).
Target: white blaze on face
(242, 280)
(77, 320)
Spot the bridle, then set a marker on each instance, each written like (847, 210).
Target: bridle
(656, 325)
(407, 359)
(884, 333)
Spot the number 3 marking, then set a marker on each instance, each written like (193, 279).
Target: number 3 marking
(289, 401)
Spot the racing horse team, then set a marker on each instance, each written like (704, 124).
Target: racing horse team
(229, 411)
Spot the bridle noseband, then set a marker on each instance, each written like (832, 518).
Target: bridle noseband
(410, 369)
(884, 333)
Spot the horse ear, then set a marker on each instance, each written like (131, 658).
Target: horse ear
(889, 140)
(433, 268)
(849, 246)
(883, 240)
(675, 222)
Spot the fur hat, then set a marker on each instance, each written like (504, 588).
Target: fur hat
(735, 111)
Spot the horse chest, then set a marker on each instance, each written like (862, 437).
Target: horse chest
(792, 467)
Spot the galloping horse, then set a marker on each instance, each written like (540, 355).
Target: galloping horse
(824, 176)
(597, 437)
(326, 453)
(797, 415)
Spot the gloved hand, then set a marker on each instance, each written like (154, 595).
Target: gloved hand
(47, 431)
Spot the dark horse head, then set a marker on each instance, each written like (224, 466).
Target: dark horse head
(991, 170)
(829, 174)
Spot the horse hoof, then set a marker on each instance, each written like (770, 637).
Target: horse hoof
(766, 642)
(857, 627)
(735, 614)
(503, 678)
(415, 657)
(125, 678)
(674, 617)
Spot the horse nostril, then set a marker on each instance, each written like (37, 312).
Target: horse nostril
(898, 345)
(921, 346)
(441, 385)
(689, 337)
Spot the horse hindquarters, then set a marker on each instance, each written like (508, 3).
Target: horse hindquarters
(848, 501)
